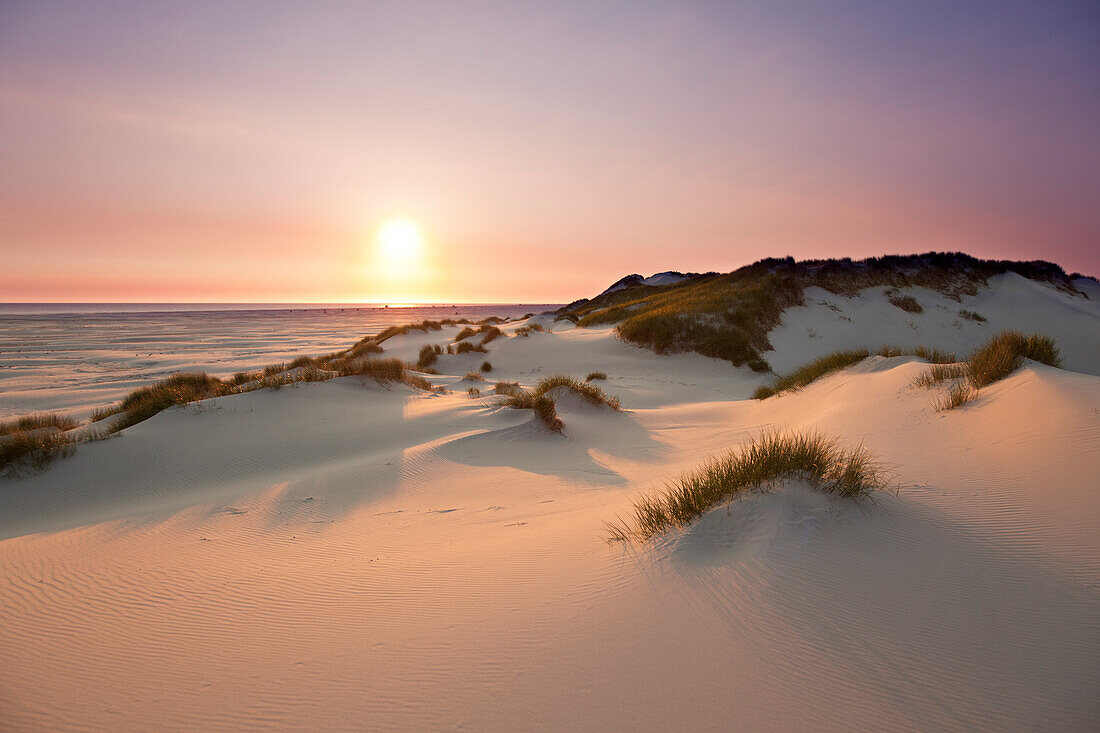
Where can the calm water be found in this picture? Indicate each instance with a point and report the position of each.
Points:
(73, 357)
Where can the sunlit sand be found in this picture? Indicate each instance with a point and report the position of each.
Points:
(354, 555)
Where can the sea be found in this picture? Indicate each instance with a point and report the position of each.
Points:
(72, 357)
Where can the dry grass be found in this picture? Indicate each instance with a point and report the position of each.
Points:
(486, 366)
(427, 356)
(588, 392)
(387, 370)
(539, 400)
(29, 443)
(474, 392)
(838, 360)
(907, 303)
(729, 316)
(804, 375)
(595, 375)
(993, 361)
(178, 389)
(474, 376)
(37, 422)
(530, 329)
(102, 413)
(27, 451)
(543, 405)
(466, 347)
(491, 333)
(756, 466)
(940, 373)
(972, 316)
(957, 395)
(1003, 353)
(465, 334)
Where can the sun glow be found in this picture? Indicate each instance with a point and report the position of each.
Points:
(396, 271)
(400, 242)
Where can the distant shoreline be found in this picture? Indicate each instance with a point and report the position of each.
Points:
(56, 309)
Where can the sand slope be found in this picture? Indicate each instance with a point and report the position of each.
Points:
(342, 556)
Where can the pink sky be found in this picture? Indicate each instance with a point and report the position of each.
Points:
(204, 154)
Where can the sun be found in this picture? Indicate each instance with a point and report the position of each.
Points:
(399, 241)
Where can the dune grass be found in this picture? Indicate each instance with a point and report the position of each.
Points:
(754, 467)
(178, 389)
(465, 347)
(972, 316)
(486, 366)
(183, 388)
(530, 329)
(588, 392)
(543, 405)
(37, 422)
(991, 362)
(29, 443)
(907, 303)
(838, 360)
(474, 392)
(595, 375)
(474, 376)
(539, 399)
(1003, 353)
(728, 316)
(506, 388)
(940, 373)
(27, 451)
(427, 356)
(957, 395)
(491, 333)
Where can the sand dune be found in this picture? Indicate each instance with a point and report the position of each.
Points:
(343, 555)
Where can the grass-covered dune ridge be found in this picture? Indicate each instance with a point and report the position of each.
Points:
(1004, 353)
(991, 362)
(186, 387)
(838, 360)
(728, 316)
(756, 466)
(32, 441)
(994, 360)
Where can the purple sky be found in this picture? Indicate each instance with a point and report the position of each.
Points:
(189, 151)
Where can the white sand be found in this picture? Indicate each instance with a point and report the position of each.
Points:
(344, 556)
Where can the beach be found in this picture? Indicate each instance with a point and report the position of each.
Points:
(71, 358)
(355, 555)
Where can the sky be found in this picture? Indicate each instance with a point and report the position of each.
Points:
(253, 152)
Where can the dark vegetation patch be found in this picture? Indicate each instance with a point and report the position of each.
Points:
(428, 355)
(29, 443)
(728, 316)
(486, 366)
(595, 375)
(37, 422)
(466, 347)
(907, 303)
(755, 467)
(972, 316)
